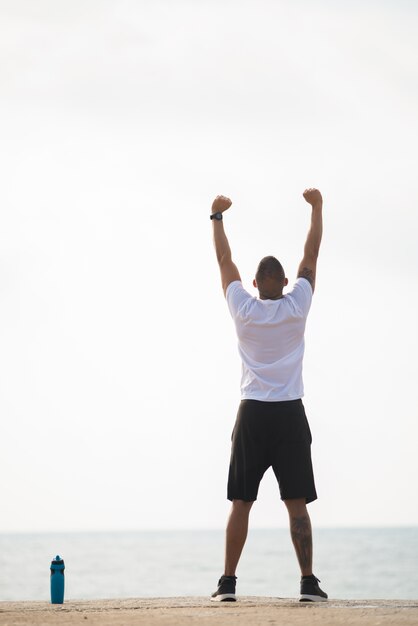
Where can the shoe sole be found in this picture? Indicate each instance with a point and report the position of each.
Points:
(308, 598)
(224, 597)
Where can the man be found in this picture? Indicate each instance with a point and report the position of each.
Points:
(271, 428)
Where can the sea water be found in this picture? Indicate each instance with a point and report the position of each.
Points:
(351, 563)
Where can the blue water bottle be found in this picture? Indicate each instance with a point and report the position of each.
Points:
(57, 581)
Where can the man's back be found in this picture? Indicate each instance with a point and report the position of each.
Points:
(271, 341)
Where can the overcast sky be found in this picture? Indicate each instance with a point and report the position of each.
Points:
(119, 374)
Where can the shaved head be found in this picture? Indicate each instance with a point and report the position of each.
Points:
(270, 278)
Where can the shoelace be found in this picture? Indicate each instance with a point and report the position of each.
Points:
(224, 578)
(313, 578)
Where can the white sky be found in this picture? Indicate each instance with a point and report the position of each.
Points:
(119, 374)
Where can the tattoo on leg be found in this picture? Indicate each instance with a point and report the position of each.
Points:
(300, 529)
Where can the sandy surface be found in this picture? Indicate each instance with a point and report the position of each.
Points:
(248, 611)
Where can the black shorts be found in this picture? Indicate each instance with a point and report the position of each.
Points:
(275, 434)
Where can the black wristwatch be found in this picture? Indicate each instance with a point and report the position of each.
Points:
(216, 216)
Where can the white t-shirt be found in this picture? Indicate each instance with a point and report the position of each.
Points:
(271, 341)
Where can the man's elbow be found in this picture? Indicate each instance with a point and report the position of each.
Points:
(310, 256)
(223, 259)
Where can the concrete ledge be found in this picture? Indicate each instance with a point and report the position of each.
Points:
(192, 611)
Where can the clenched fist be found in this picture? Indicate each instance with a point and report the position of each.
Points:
(313, 196)
(221, 204)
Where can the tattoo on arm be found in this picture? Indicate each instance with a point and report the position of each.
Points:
(307, 273)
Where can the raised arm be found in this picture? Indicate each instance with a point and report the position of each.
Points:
(229, 271)
(307, 267)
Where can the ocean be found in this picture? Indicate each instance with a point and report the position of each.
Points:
(351, 563)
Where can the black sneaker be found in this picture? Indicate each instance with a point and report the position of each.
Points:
(310, 591)
(226, 590)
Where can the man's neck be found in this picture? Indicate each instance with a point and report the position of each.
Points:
(264, 297)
